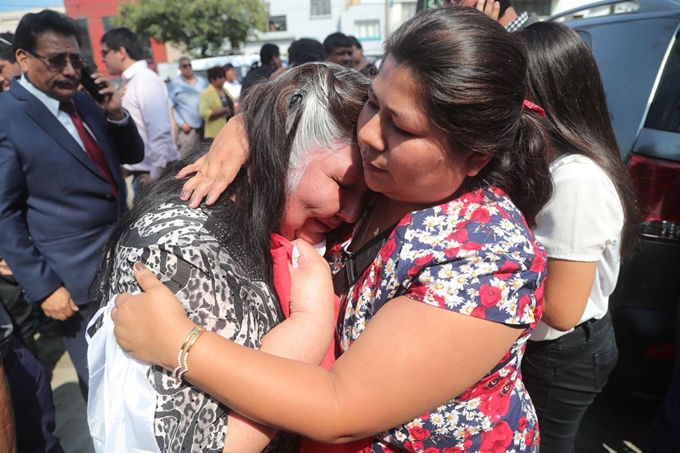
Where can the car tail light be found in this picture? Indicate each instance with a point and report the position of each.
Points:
(657, 184)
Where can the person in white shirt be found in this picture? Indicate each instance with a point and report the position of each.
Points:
(146, 98)
(587, 228)
(232, 85)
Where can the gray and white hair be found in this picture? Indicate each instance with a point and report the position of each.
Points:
(317, 104)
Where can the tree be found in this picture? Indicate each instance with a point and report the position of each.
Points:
(200, 25)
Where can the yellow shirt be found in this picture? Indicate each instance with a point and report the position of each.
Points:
(209, 101)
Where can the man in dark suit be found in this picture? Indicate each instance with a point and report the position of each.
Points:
(61, 187)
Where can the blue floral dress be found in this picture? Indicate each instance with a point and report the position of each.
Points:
(474, 255)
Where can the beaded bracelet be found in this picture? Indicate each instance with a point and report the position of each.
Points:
(183, 353)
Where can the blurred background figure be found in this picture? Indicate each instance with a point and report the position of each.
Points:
(231, 84)
(215, 105)
(146, 99)
(359, 62)
(270, 62)
(184, 91)
(338, 49)
(305, 50)
(8, 63)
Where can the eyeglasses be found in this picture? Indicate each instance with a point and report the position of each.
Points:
(105, 52)
(186, 65)
(59, 62)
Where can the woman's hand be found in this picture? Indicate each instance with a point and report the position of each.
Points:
(217, 169)
(311, 288)
(151, 326)
(489, 7)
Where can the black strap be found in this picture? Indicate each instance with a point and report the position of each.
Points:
(358, 262)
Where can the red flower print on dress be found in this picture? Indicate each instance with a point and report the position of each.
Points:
(489, 296)
(409, 446)
(538, 264)
(432, 450)
(507, 270)
(480, 215)
(388, 249)
(497, 405)
(451, 253)
(522, 423)
(478, 312)
(452, 450)
(418, 433)
(529, 438)
(460, 236)
(473, 197)
(418, 265)
(467, 442)
(524, 302)
(471, 246)
(497, 440)
(418, 445)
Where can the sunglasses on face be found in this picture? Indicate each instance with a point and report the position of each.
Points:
(186, 65)
(59, 62)
(105, 52)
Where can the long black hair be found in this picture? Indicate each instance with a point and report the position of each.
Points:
(565, 80)
(473, 79)
(311, 108)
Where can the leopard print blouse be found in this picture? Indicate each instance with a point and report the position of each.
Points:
(200, 260)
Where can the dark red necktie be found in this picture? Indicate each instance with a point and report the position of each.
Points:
(94, 152)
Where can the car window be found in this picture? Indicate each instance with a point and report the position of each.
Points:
(664, 113)
(585, 36)
(629, 54)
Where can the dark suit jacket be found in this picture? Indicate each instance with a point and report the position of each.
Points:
(56, 208)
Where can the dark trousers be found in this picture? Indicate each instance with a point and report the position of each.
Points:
(20, 311)
(564, 376)
(664, 434)
(76, 345)
(31, 400)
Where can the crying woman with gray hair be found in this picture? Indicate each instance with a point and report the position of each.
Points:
(303, 179)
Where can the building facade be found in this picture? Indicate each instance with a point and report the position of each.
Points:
(95, 17)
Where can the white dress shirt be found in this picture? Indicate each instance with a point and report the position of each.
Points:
(146, 98)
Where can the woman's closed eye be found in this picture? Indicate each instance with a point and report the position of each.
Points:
(399, 130)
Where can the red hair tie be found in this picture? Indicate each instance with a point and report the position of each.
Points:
(533, 107)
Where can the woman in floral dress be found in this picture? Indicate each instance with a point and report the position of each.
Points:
(433, 331)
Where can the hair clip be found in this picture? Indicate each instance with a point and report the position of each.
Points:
(533, 107)
(295, 98)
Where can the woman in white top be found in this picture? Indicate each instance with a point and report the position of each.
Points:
(587, 228)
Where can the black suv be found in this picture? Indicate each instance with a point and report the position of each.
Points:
(637, 47)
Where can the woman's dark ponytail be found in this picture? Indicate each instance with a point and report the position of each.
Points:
(530, 183)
